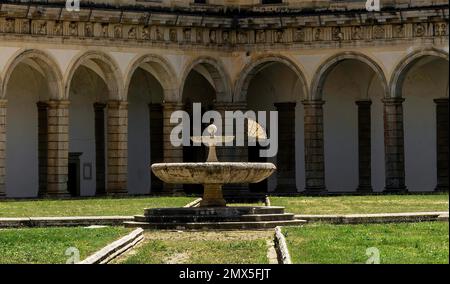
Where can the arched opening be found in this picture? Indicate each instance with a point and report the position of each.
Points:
(26, 120)
(274, 84)
(423, 84)
(92, 84)
(204, 84)
(88, 101)
(353, 89)
(145, 130)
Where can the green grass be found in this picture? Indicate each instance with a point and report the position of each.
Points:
(200, 248)
(49, 245)
(405, 243)
(88, 207)
(363, 204)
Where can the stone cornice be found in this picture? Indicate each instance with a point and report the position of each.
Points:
(142, 28)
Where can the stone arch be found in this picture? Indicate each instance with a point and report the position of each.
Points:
(43, 63)
(158, 67)
(326, 67)
(218, 77)
(258, 64)
(406, 64)
(104, 66)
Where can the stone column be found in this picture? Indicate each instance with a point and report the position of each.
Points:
(3, 109)
(58, 148)
(172, 154)
(394, 145)
(42, 147)
(442, 143)
(100, 151)
(232, 154)
(117, 148)
(364, 146)
(286, 175)
(156, 142)
(314, 147)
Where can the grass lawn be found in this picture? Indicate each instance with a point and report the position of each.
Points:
(88, 207)
(363, 204)
(48, 246)
(405, 243)
(201, 248)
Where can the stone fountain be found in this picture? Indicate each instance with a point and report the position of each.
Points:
(213, 212)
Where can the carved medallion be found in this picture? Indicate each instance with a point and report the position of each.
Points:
(419, 30)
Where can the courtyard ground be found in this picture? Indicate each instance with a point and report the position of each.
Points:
(411, 243)
(246, 247)
(88, 207)
(49, 245)
(363, 204)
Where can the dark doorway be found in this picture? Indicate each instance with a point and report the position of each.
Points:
(73, 182)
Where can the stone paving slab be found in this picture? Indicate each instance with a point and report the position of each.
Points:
(34, 222)
(376, 218)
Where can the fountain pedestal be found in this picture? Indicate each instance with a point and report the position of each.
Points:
(212, 196)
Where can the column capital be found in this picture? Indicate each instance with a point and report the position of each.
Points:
(393, 101)
(441, 101)
(312, 103)
(363, 103)
(117, 104)
(230, 105)
(173, 105)
(285, 105)
(99, 106)
(58, 103)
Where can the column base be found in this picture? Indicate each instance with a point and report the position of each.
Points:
(2, 195)
(286, 188)
(364, 189)
(439, 188)
(316, 191)
(396, 190)
(58, 195)
(117, 194)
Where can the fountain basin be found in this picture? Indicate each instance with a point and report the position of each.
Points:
(213, 173)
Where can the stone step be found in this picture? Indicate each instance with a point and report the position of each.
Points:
(220, 211)
(214, 225)
(213, 218)
(268, 217)
(186, 218)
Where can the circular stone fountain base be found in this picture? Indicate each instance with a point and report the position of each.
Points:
(214, 218)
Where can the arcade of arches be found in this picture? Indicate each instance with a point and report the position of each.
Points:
(349, 133)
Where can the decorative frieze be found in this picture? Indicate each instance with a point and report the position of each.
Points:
(162, 28)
